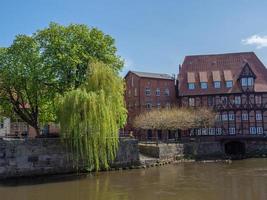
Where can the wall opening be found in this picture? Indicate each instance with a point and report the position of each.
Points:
(235, 148)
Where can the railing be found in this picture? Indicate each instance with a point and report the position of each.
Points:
(157, 141)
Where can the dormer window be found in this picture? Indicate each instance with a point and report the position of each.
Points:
(229, 84)
(191, 86)
(247, 81)
(217, 84)
(203, 85)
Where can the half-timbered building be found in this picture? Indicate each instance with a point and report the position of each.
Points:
(233, 85)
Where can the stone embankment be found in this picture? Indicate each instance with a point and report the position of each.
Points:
(43, 156)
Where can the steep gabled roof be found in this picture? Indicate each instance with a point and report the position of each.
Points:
(229, 65)
(151, 75)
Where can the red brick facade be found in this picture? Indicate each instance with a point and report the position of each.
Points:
(145, 91)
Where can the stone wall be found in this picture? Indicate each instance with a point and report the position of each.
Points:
(256, 148)
(50, 156)
(204, 150)
(162, 151)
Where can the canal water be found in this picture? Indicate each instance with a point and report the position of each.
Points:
(240, 180)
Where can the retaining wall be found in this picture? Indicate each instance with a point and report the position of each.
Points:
(50, 156)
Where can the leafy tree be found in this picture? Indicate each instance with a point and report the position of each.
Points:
(91, 115)
(175, 118)
(35, 69)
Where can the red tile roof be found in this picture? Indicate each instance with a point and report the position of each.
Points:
(230, 64)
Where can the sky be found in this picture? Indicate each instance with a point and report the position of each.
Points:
(150, 35)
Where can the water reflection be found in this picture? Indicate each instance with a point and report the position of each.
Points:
(241, 180)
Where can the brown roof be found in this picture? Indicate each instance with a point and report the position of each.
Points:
(221, 67)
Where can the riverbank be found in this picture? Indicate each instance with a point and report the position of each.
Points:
(49, 156)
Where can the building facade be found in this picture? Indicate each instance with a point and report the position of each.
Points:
(234, 86)
(147, 91)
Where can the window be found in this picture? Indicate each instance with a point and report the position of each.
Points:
(147, 92)
(218, 117)
(253, 130)
(247, 81)
(231, 117)
(148, 105)
(217, 84)
(211, 131)
(229, 84)
(205, 131)
(250, 81)
(259, 130)
(191, 86)
(218, 131)
(258, 99)
(224, 117)
(199, 131)
(129, 92)
(231, 131)
(167, 92)
(191, 101)
(237, 100)
(135, 91)
(258, 116)
(244, 82)
(203, 85)
(210, 101)
(224, 100)
(158, 92)
(244, 116)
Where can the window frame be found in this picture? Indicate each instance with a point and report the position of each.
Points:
(217, 84)
(231, 131)
(167, 92)
(244, 118)
(191, 84)
(237, 102)
(252, 130)
(227, 84)
(258, 117)
(191, 102)
(148, 91)
(202, 84)
(158, 92)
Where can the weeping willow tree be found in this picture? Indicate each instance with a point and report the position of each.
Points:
(91, 116)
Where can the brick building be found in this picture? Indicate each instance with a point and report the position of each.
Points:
(234, 85)
(145, 91)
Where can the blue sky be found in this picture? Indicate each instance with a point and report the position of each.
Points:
(151, 35)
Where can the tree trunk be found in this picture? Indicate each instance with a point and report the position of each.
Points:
(37, 130)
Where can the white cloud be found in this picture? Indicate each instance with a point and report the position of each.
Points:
(259, 41)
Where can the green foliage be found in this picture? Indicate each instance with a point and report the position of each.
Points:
(91, 115)
(24, 81)
(35, 69)
(69, 49)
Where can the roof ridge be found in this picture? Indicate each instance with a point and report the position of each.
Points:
(222, 54)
